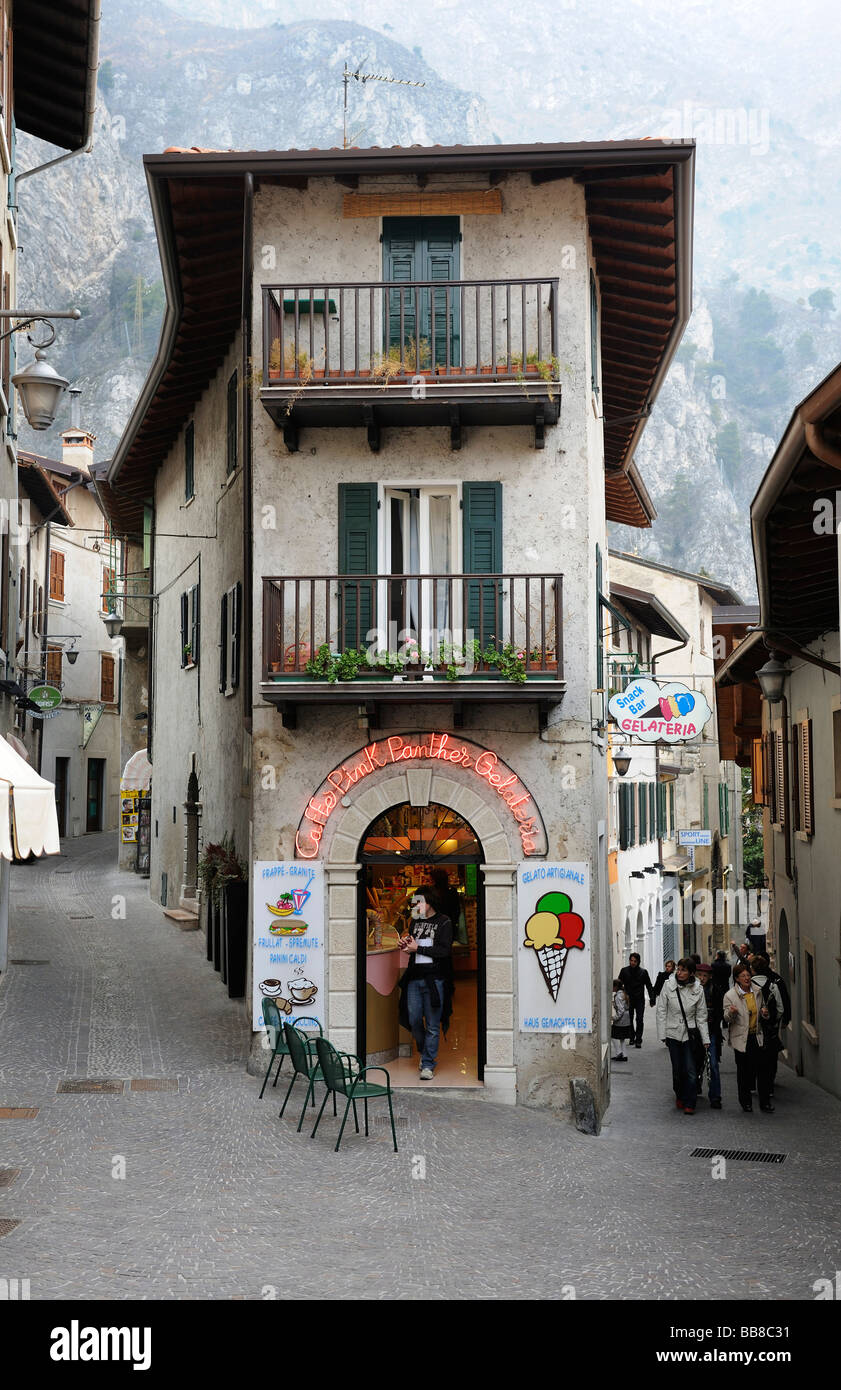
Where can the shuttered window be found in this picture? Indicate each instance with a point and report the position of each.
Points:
(54, 666)
(230, 621)
(803, 795)
(642, 793)
(778, 757)
(757, 773)
(189, 462)
(671, 810)
(594, 335)
(106, 684)
(232, 434)
(357, 555)
(422, 248)
(108, 590)
(662, 820)
(190, 626)
(57, 575)
(482, 528)
(625, 821)
(652, 811)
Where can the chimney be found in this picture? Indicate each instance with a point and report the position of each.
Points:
(77, 443)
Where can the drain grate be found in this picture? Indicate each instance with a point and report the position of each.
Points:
(154, 1083)
(71, 1088)
(8, 1175)
(18, 1112)
(80, 916)
(382, 1122)
(29, 962)
(745, 1155)
(7, 1225)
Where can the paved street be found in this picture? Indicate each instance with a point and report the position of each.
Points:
(223, 1200)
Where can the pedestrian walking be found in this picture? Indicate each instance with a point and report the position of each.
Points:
(620, 1029)
(427, 986)
(721, 972)
(682, 1012)
(743, 1016)
(755, 936)
(773, 1000)
(714, 1000)
(662, 976)
(635, 982)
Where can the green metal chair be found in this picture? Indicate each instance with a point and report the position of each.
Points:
(341, 1081)
(274, 1025)
(298, 1048)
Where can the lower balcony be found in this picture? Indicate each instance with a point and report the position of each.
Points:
(371, 640)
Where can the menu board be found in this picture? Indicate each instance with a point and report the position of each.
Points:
(129, 804)
(288, 960)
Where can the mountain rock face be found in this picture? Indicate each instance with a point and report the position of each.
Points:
(753, 88)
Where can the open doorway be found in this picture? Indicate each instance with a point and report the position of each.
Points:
(406, 848)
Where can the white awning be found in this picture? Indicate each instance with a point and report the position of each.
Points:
(137, 773)
(27, 803)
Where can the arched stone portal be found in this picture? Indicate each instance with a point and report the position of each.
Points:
(478, 803)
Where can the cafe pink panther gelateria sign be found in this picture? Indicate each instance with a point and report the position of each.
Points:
(401, 749)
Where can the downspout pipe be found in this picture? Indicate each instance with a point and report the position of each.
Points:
(247, 521)
(90, 101)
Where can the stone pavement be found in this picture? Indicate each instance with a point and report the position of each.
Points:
(222, 1200)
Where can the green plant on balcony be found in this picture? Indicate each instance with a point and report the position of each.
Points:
(414, 357)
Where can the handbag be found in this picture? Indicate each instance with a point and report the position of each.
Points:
(700, 1053)
(694, 1034)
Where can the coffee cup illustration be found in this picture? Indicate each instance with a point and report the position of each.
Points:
(302, 990)
(271, 987)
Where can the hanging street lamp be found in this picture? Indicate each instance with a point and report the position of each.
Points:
(39, 385)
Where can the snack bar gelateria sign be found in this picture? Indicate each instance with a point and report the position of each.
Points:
(655, 713)
(444, 750)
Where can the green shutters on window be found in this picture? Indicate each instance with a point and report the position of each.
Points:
(624, 817)
(672, 832)
(232, 433)
(189, 462)
(643, 800)
(357, 555)
(706, 821)
(652, 811)
(661, 811)
(482, 528)
(422, 248)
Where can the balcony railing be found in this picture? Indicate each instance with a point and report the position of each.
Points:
(502, 626)
(381, 333)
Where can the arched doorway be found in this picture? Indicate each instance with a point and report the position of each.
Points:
(407, 847)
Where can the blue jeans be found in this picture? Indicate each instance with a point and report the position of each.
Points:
(425, 1002)
(684, 1075)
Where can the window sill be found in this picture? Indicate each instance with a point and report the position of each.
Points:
(811, 1033)
(836, 803)
(804, 838)
(189, 501)
(229, 479)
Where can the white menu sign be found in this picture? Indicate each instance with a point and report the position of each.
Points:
(288, 959)
(555, 993)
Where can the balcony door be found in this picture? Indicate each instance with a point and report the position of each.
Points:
(422, 248)
(422, 538)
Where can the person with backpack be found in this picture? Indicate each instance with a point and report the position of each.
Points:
(635, 982)
(621, 1026)
(771, 1027)
(745, 1014)
(682, 1022)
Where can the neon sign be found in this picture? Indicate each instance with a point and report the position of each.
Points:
(434, 747)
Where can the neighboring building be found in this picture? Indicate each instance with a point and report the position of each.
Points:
(793, 744)
(704, 792)
(333, 448)
(79, 749)
(48, 65)
(642, 800)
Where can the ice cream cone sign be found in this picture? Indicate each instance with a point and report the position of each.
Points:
(553, 930)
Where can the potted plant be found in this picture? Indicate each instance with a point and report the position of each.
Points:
(188, 654)
(224, 877)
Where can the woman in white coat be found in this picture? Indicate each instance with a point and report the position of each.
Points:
(744, 1012)
(681, 1006)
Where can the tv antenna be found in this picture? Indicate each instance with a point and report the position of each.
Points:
(364, 77)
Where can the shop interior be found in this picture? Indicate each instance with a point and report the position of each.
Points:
(407, 848)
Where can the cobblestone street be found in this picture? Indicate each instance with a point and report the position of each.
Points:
(221, 1198)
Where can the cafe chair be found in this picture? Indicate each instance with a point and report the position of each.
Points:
(340, 1080)
(298, 1049)
(274, 1029)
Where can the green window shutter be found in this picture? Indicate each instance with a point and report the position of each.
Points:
(482, 524)
(652, 811)
(632, 836)
(594, 335)
(189, 462)
(357, 555)
(672, 831)
(195, 630)
(706, 820)
(661, 810)
(235, 620)
(185, 624)
(624, 827)
(232, 436)
(422, 248)
(643, 800)
(223, 646)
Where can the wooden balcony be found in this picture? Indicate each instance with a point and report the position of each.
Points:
(424, 352)
(370, 640)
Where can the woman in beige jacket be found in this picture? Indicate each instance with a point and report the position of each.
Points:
(743, 1014)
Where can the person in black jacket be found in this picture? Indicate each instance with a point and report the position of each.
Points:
(426, 988)
(635, 982)
(665, 974)
(714, 998)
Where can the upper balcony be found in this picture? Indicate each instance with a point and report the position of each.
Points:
(421, 352)
(452, 639)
